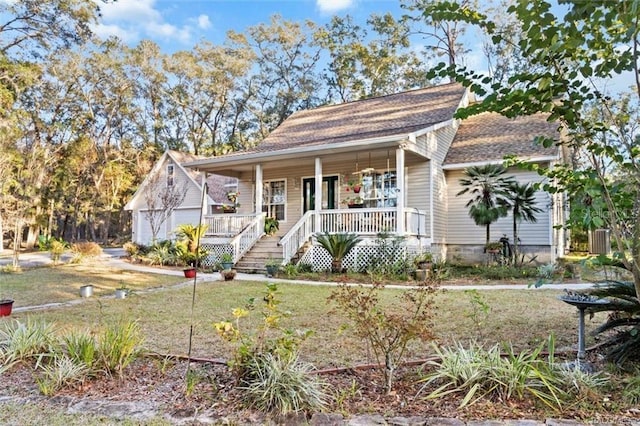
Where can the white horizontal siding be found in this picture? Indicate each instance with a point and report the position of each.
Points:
(461, 229)
(443, 137)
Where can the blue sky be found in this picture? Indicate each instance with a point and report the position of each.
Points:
(179, 24)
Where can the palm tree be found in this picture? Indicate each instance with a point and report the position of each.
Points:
(488, 187)
(522, 198)
(338, 246)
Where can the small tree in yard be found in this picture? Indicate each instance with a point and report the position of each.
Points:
(488, 188)
(522, 200)
(161, 200)
(388, 328)
(567, 58)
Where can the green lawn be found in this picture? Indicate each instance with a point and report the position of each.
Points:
(62, 283)
(522, 317)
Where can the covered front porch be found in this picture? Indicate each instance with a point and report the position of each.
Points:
(239, 232)
(379, 191)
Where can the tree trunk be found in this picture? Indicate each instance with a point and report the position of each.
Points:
(32, 236)
(1, 235)
(17, 241)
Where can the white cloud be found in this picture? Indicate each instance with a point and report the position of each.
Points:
(204, 22)
(130, 11)
(332, 6)
(105, 31)
(132, 20)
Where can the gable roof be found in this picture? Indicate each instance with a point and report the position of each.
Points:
(489, 137)
(396, 114)
(217, 186)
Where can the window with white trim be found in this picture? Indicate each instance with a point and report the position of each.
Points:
(274, 198)
(380, 189)
(170, 174)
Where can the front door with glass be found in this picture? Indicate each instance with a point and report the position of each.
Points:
(329, 193)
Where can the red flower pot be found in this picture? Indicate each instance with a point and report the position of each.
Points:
(5, 307)
(190, 273)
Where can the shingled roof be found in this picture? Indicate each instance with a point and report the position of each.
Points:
(389, 115)
(490, 137)
(217, 186)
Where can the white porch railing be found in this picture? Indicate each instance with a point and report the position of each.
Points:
(359, 221)
(242, 242)
(368, 222)
(226, 225)
(297, 236)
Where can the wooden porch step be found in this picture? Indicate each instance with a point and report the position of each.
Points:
(254, 261)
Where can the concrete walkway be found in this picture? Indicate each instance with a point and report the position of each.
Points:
(114, 258)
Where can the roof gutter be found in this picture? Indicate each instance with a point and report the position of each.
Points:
(458, 166)
(283, 154)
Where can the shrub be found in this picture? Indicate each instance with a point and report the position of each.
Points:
(476, 372)
(265, 362)
(131, 248)
(57, 249)
(85, 249)
(163, 253)
(338, 246)
(23, 341)
(624, 319)
(388, 329)
(81, 347)
(61, 372)
(118, 346)
(283, 384)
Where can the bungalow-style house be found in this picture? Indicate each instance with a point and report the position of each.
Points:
(390, 164)
(169, 178)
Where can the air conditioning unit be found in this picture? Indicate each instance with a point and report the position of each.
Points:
(600, 241)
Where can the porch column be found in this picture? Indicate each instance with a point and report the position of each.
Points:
(204, 199)
(318, 194)
(258, 200)
(400, 229)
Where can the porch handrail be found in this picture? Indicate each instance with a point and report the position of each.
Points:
(416, 222)
(241, 243)
(297, 236)
(226, 224)
(369, 221)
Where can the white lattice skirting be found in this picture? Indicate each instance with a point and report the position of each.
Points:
(358, 259)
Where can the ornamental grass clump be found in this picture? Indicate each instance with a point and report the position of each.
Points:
(266, 363)
(475, 373)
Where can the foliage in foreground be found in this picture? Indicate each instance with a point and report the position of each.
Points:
(388, 329)
(476, 373)
(282, 384)
(68, 359)
(623, 320)
(266, 362)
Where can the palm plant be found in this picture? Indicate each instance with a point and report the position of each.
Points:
(488, 188)
(522, 198)
(191, 235)
(338, 246)
(624, 317)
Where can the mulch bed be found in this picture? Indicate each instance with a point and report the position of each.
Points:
(354, 391)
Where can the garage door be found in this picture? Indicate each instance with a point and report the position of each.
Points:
(186, 216)
(145, 235)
